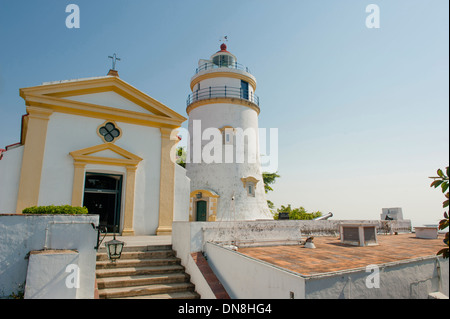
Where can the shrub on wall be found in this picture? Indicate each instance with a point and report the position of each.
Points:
(52, 209)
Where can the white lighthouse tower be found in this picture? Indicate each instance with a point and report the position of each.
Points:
(223, 160)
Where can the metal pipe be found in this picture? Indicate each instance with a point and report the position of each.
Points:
(324, 217)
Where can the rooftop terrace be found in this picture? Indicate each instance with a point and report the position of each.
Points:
(330, 255)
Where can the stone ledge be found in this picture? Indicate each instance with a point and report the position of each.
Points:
(213, 282)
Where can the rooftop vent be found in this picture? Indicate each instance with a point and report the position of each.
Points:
(358, 234)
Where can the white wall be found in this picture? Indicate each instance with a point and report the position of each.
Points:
(247, 278)
(10, 166)
(20, 234)
(409, 279)
(181, 196)
(52, 274)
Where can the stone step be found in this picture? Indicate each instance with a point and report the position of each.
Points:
(139, 254)
(126, 263)
(130, 271)
(102, 249)
(170, 295)
(158, 289)
(141, 280)
(143, 272)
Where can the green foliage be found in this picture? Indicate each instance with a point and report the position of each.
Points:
(20, 293)
(181, 156)
(442, 181)
(269, 178)
(297, 213)
(52, 209)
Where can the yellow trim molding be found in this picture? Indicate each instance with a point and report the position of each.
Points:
(227, 128)
(249, 179)
(211, 198)
(51, 97)
(33, 157)
(130, 161)
(166, 183)
(115, 126)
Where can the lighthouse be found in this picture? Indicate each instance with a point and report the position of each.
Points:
(223, 161)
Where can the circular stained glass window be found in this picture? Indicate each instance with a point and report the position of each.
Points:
(109, 132)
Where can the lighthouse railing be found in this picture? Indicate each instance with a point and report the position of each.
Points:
(232, 65)
(222, 91)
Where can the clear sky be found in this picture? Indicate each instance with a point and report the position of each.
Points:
(362, 114)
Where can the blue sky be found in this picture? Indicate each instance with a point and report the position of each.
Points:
(362, 114)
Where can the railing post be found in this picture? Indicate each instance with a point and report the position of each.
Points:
(209, 92)
(225, 91)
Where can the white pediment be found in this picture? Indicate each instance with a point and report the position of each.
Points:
(107, 154)
(110, 99)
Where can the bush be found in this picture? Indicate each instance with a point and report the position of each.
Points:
(52, 209)
(296, 213)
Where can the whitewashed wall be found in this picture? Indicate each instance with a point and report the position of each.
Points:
(409, 279)
(247, 278)
(10, 166)
(20, 234)
(181, 196)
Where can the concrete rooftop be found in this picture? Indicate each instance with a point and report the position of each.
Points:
(331, 256)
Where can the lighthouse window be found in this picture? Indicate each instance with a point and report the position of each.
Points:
(223, 60)
(244, 90)
(227, 132)
(249, 184)
(250, 189)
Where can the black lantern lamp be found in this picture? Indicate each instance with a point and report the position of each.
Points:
(199, 195)
(114, 248)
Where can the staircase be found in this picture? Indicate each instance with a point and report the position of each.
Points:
(148, 272)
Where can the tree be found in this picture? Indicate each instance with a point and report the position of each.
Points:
(269, 178)
(297, 213)
(442, 181)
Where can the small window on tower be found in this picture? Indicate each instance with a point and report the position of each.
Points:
(249, 185)
(251, 189)
(227, 133)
